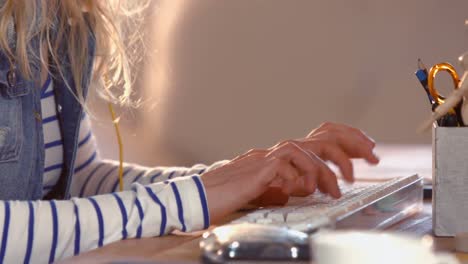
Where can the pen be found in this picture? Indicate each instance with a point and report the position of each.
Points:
(421, 74)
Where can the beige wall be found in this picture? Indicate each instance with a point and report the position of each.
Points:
(229, 75)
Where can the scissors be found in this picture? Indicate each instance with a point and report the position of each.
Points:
(453, 117)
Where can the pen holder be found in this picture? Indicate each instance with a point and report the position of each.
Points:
(449, 180)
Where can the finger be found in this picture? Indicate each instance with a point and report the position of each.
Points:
(354, 134)
(292, 153)
(300, 189)
(321, 187)
(353, 146)
(358, 133)
(327, 182)
(277, 182)
(306, 163)
(288, 174)
(279, 173)
(310, 183)
(366, 140)
(329, 126)
(278, 170)
(286, 171)
(336, 155)
(357, 148)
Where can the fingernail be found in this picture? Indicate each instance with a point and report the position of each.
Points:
(373, 158)
(349, 179)
(337, 194)
(377, 158)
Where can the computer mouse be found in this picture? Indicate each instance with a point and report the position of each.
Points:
(242, 243)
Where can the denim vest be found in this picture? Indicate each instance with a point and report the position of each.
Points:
(21, 133)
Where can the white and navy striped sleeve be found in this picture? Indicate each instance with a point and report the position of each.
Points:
(47, 231)
(94, 175)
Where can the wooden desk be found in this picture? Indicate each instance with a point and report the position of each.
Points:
(403, 159)
(177, 249)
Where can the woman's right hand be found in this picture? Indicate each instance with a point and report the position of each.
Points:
(289, 166)
(235, 184)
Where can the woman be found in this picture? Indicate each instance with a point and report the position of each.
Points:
(51, 50)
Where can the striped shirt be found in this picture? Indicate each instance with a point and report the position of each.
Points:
(155, 201)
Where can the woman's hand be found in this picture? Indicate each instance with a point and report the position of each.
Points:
(292, 167)
(339, 144)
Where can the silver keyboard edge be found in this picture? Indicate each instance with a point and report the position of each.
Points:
(409, 202)
(377, 200)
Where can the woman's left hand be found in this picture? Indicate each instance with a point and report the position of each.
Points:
(333, 142)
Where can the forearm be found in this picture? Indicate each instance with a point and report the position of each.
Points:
(45, 231)
(102, 176)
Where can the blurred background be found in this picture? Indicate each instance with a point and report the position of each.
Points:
(220, 77)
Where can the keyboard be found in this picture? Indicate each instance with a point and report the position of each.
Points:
(366, 205)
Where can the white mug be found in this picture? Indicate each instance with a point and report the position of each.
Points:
(368, 247)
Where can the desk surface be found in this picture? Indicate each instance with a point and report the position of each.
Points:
(184, 249)
(178, 249)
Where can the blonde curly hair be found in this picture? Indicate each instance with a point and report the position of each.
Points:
(68, 23)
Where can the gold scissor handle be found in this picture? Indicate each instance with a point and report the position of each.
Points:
(444, 66)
